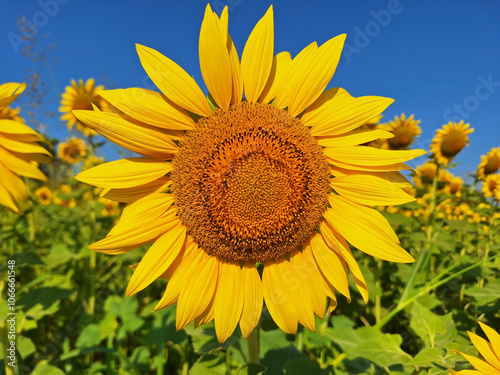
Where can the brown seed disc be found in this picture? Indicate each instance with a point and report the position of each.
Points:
(250, 183)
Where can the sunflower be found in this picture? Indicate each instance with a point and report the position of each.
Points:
(405, 130)
(490, 163)
(20, 151)
(72, 151)
(43, 195)
(64, 197)
(424, 174)
(491, 186)
(254, 200)
(454, 186)
(449, 141)
(80, 96)
(490, 350)
(110, 207)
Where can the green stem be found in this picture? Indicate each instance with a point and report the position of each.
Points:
(253, 342)
(422, 256)
(429, 287)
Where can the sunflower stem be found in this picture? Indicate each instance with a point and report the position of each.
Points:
(422, 256)
(253, 342)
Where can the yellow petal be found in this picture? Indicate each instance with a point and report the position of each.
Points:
(279, 69)
(284, 90)
(173, 81)
(157, 259)
(307, 81)
(331, 265)
(215, 64)
(480, 365)
(252, 306)
(370, 190)
(486, 350)
(180, 272)
(143, 139)
(229, 299)
(279, 300)
(7, 200)
(21, 146)
(311, 277)
(354, 137)
(257, 58)
(369, 156)
(147, 209)
(336, 112)
(149, 107)
(338, 244)
(125, 173)
(127, 195)
(366, 229)
(15, 187)
(393, 177)
(121, 242)
(10, 127)
(9, 92)
(493, 336)
(20, 166)
(26, 156)
(198, 291)
(207, 315)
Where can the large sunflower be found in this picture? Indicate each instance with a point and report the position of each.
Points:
(405, 131)
(491, 186)
(20, 151)
(490, 350)
(449, 141)
(80, 96)
(490, 163)
(256, 199)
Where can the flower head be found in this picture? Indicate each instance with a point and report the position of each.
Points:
(405, 131)
(490, 163)
(72, 151)
(238, 199)
(491, 186)
(43, 195)
(490, 350)
(80, 96)
(449, 141)
(20, 150)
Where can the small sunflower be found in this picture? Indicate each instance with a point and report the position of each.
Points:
(110, 208)
(454, 186)
(424, 174)
(20, 150)
(80, 96)
(43, 195)
(491, 186)
(238, 199)
(490, 351)
(405, 131)
(64, 197)
(490, 163)
(72, 151)
(449, 141)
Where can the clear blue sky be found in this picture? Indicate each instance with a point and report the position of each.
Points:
(439, 60)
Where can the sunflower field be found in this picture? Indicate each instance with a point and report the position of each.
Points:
(270, 227)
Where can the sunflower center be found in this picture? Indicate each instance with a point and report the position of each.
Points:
(85, 102)
(403, 137)
(452, 144)
(492, 165)
(250, 183)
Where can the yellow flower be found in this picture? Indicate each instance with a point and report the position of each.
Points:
(424, 174)
(490, 163)
(491, 186)
(92, 161)
(63, 197)
(490, 351)
(250, 181)
(110, 207)
(449, 141)
(405, 130)
(454, 186)
(72, 151)
(43, 195)
(80, 96)
(20, 150)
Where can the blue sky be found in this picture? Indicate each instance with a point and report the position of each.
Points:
(439, 60)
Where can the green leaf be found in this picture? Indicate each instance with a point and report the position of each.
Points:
(59, 254)
(274, 359)
(485, 294)
(90, 336)
(426, 324)
(25, 346)
(253, 369)
(124, 307)
(209, 364)
(43, 368)
(427, 357)
(301, 366)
